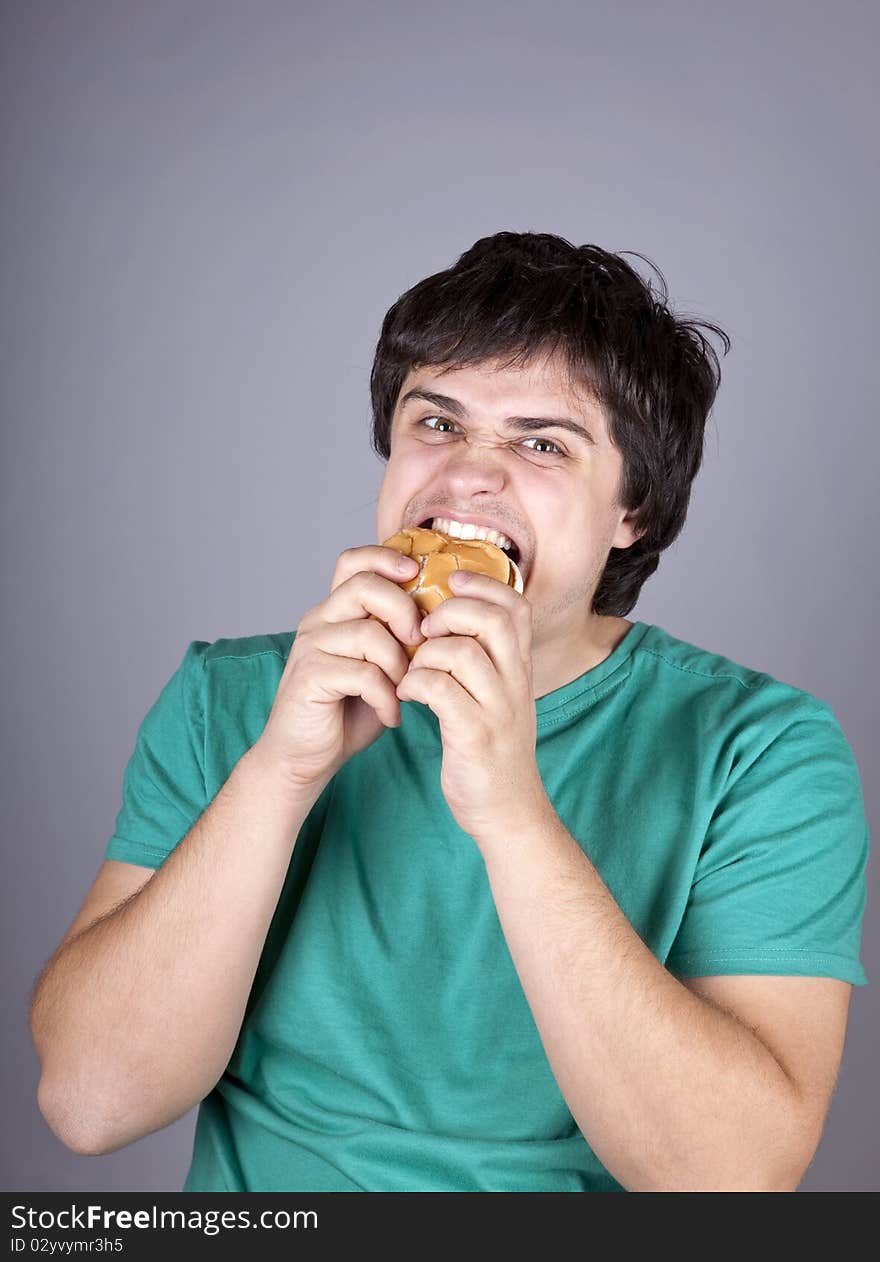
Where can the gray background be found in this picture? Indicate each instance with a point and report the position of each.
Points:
(207, 210)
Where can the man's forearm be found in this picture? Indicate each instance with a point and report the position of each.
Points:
(670, 1092)
(136, 1017)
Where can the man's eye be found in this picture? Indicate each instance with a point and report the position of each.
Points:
(548, 441)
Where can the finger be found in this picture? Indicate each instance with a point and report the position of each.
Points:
(366, 594)
(341, 677)
(482, 587)
(465, 659)
(373, 558)
(368, 641)
(491, 625)
(452, 704)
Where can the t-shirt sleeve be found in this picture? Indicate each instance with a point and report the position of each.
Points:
(163, 788)
(779, 886)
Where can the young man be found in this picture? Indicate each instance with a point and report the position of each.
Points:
(565, 904)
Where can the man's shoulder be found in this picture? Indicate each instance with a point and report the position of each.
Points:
(231, 683)
(735, 714)
(239, 649)
(721, 680)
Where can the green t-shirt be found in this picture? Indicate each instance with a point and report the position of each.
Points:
(387, 1044)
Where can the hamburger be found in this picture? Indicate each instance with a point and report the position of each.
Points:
(439, 555)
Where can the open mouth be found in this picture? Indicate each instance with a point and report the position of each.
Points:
(511, 550)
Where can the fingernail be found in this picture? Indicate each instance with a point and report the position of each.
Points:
(407, 565)
(460, 578)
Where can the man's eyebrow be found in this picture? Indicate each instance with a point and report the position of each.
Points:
(524, 424)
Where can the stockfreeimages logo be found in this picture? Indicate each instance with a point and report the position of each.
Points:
(211, 1222)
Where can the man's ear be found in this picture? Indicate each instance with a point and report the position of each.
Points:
(627, 532)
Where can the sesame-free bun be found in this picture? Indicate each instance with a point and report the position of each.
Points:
(439, 555)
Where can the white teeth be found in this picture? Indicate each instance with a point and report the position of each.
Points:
(464, 530)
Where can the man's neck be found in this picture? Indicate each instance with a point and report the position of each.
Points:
(556, 664)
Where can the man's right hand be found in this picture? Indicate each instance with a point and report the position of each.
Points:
(338, 690)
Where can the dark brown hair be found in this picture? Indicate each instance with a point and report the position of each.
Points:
(517, 295)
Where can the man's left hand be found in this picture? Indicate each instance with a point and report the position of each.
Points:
(475, 672)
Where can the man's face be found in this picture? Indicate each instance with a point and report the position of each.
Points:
(551, 490)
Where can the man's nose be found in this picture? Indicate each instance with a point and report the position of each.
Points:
(477, 462)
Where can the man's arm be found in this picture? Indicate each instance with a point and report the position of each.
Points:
(671, 1089)
(135, 1018)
